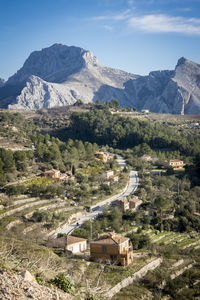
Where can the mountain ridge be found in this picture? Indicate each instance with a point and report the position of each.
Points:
(60, 75)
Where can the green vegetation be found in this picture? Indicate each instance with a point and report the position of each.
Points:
(167, 223)
(63, 283)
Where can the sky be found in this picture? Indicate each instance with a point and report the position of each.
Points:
(137, 36)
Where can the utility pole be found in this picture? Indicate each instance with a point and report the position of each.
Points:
(91, 230)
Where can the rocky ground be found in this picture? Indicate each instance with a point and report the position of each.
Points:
(24, 286)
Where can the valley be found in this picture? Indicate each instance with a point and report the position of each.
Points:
(94, 150)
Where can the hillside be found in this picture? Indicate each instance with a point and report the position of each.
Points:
(164, 230)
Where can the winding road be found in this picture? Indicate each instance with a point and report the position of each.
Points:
(98, 208)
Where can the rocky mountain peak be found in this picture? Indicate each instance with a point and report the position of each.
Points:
(60, 75)
(186, 64)
(2, 81)
(181, 61)
(54, 64)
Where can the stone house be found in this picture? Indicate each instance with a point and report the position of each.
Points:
(69, 243)
(113, 248)
(55, 174)
(134, 203)
(107, 174)
(124, 204)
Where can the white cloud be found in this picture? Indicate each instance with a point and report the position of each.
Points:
(162, 23)
(117, 17)
(107, 27)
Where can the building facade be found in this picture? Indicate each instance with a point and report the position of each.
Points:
(113, 248)
(176, 164)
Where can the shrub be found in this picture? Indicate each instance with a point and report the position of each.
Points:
(63, 283)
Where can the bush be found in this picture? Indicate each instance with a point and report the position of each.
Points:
(63, 283)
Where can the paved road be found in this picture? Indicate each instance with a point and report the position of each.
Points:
(98, 208)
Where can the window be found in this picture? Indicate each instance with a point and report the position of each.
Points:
(104, 249)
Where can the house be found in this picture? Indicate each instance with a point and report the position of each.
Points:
(176, 164)
(146, 157)
(134, 203)
(145, 111)
(102, 156)
(75, 244)
(107, 174)
(124, 204)
(113, 248)
(55, 174)
(69, 243)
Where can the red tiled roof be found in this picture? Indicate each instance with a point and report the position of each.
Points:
(110, 240)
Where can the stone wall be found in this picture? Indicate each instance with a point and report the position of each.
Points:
(136, 276)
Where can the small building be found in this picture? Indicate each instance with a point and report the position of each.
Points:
(145, 111)
(176, 164)
(69, 243)
(146, 157)
(54, 174)
(107, 174)
(102, 156)
(114, 248)
(75, 244)
(134, 203)
(124, 204)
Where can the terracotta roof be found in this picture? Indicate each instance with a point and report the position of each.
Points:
(73, 240)
(110, 240)
(65, 240)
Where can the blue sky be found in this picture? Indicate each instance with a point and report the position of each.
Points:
(137, 36)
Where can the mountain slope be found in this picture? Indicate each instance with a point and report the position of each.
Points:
(60, 75)
(2, 81)
(176, 92)
(64, 75)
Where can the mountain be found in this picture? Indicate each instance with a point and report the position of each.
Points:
(176, 92)
(57, 76)
(2, 81)
(60, 75)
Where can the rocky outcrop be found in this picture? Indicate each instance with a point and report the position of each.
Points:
(2, 81)
(24, 286)
(60, 75)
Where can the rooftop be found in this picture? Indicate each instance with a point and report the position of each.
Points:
(110, 239)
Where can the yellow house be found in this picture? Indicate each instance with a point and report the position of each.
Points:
(113, 248)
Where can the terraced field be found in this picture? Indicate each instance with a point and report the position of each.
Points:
(181, 240)
(18, 215)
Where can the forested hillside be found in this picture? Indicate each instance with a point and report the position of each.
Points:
(33, 207)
